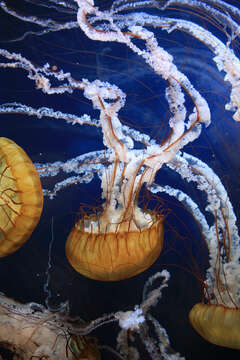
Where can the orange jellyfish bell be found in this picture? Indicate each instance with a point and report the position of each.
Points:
(217, 324)
(21, 197)
(116, 252)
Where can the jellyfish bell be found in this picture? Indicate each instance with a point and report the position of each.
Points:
(217, 324)
(217, 319)
(21, 197)
(112, 251)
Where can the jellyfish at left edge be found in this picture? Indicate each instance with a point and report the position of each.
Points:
(21, 197)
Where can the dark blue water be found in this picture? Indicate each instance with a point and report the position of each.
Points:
(23, 274)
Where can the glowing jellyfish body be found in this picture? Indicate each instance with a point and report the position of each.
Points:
(217, 324)
(21, 198)
(112, 256)
(219, 321)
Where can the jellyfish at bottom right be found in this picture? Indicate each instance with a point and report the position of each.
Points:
(218, 320)
(217, 317)
(217, 324)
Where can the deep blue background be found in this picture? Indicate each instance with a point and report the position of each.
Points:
(23, 274)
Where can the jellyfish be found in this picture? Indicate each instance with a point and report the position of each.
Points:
(57, 336)
(32, 331)
(120, 239)
(21, 197)
(216, 318)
